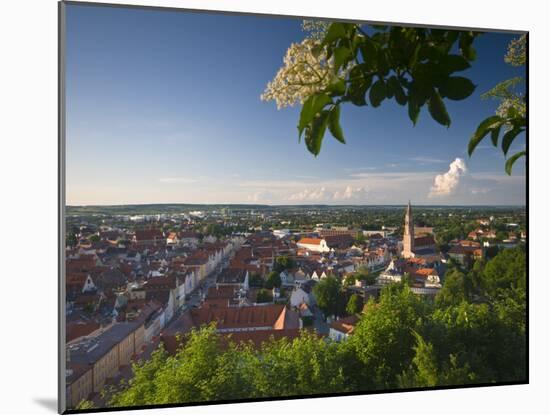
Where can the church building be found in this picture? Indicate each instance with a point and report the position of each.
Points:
(420, 246)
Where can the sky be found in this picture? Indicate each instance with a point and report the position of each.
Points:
(164, 107)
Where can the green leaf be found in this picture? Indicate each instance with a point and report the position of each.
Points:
(316, 50)
(482, 130)
(369, 51)
(334, 124)
(465, 45)
(342, 55)
(383, 63)
(454, 63)
(397, 90)
(337, 87)
(315, 132)
(335, 31)
(414, 110)
(495, 132)
(414, 57)
(510, 162)
(312, 106)
(509, 138)
(457, 88)
(400, 96)
(358, 89)
(377, 93)
(437, 110)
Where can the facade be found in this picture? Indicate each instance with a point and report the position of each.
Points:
(341, 329)
(237, 277)
(92, 360)
(313, 244)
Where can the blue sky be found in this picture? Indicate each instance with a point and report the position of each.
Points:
(164, 107)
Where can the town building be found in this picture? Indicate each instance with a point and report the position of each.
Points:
(413, 245)
(313, 244)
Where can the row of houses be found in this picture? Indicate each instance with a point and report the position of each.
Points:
(119, 299)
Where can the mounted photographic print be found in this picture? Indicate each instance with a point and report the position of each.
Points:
(259, 207)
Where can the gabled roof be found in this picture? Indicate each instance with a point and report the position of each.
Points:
(232, 276)
(148, 234)
(345, 325)
(424, 241)
(310, 241)
(273, 316)
(80, 328)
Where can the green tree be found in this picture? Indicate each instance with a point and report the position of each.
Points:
(455, 289)
(273, 280)
(363, 274)
(349, 280)
(256, 280)
(283, 263)
(480, 339)
(426, 371)
(506, 271)
(281, 370)
(264, 296)
(355, 304)
(71, 240)
(328, 295)
(85, 404)
(383, 339)
(94, 238)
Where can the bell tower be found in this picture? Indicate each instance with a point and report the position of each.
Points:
(408, 233)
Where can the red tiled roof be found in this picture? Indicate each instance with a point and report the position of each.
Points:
(148, 234)
(462, 250)
(79, 329)
(310, 241)
(226, 318)
(345, 325)
(223, 291)
(424, 241)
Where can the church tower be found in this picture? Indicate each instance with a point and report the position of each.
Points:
(408, 233)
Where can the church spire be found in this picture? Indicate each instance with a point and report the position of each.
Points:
(408, 233)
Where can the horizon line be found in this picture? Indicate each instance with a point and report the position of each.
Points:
(282, 204)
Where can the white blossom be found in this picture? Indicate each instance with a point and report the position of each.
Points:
(303, 74)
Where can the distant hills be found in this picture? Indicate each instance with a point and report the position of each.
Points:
(171, 208)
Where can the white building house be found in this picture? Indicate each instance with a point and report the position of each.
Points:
(318, 276)
(389, 275)
(281, 233)
(341, 329)
(313, 244)
(300, 296)
(89, 285)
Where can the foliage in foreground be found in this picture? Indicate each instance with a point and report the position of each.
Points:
(401, 341)
(345, 63)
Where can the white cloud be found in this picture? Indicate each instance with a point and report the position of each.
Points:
(261, 196)
(349, 193)
(177, 180)
(445, 184)
(427, 160)
(480, 190)
(310, 195)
